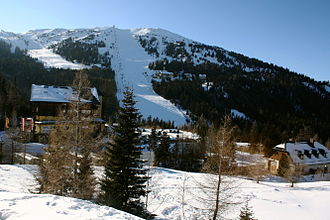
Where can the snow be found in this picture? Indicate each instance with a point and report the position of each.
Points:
(28, 157)
(63, 94)
(207, 86)
(173, 134)
(270, 200)
(294, 149)
(174, 195)
(50, 59)
(17, 202)
(130, 64)
(20, 41)
(245, 158)
(238, 114)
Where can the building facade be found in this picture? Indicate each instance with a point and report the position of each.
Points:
(310, 156)
(50, 103)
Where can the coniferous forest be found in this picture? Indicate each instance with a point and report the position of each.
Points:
(276, 105)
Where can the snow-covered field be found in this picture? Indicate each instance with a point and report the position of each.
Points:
(18, 202)
(174, 195)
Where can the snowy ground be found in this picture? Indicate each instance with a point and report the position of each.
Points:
(17, 201)
(174, 195)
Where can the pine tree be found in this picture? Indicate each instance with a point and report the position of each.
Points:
(125, 178)
(162, 152)
(153, 140)
(246, 213)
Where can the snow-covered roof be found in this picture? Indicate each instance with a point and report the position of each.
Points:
(307, 153)
(61, 94)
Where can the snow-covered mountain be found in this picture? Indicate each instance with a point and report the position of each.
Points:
(130, 52)
(128, 58)
(138, 55)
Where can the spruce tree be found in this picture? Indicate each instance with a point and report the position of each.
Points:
(153, 140)
(162, 152)
(246, 213)
(125, 179)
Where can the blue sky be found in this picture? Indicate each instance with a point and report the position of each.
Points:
(291, 33)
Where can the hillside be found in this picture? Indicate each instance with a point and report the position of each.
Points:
(178, 79)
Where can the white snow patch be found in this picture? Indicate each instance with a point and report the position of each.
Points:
(238, 114)
(50, 59)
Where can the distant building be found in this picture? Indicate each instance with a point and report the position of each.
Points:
(312, 157)
(49, 101)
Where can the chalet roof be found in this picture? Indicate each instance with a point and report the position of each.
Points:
(307, 153)
(62, 94)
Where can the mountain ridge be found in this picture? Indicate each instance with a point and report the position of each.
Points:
(177, 68)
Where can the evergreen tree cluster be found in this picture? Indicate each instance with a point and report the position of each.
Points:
(78, 51)
(150, 45)
(156, 122)
(181, 154)
(10, 100)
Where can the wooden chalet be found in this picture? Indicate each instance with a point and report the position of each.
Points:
(50, 102)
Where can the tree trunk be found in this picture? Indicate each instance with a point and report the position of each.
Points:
(217, 198)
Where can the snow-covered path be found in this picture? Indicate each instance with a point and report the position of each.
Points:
(132, 70)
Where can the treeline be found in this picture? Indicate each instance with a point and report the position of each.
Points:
(156, 123)
(277, 102)
(81, 52)
(19, 71)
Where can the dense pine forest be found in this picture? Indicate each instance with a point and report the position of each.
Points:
(277, 105)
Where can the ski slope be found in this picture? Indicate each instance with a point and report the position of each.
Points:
(132, 71)
(174, 195)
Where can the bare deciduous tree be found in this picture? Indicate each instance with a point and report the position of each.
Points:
(218, 187)
(70, 146)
